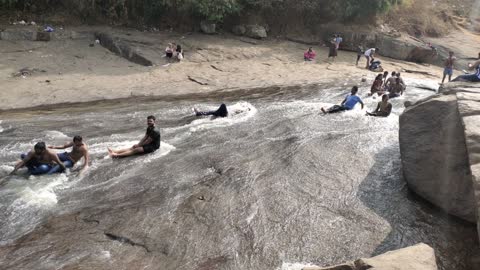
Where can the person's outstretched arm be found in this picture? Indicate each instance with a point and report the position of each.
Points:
(86, 161)
(23, 162)
(67, 145)
(343, 102)
(57, 160)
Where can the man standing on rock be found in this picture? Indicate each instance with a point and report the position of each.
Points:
(449, 62)
(148, 144)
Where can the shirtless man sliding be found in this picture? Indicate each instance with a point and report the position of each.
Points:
(39, 161)
(79, 150)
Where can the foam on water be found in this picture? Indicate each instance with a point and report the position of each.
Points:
(55, 134)
(1, 128)
(295, 266)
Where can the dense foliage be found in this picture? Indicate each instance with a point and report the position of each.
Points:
(213, 10)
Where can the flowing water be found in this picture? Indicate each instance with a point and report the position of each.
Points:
(276, 185)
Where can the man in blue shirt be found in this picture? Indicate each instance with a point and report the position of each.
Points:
(347, 104)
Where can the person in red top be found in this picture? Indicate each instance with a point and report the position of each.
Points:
(309, 55)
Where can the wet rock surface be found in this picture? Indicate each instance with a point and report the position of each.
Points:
(275, 182)
(418, 257)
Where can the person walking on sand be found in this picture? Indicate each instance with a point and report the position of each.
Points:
(384, 108)
(360, 52)
(448, 70)
(148, 144)
(79, 150)
(347, 104)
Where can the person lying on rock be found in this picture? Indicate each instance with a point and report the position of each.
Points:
(384, 108)
(474, 77)
(309, 55)
(79, 151)
(347, 104)
(221, 112)
(396, 90)
(39, 161)
(148, 144)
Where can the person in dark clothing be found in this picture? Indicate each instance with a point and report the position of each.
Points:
(221, 112)
(148, 144)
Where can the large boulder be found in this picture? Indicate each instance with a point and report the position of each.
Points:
(239, 30)
(255, 31)
(418, 257)
(15, 34)
(208, 27)
(121, 48)
(435, 157)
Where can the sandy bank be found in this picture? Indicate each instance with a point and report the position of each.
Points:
(70, 71)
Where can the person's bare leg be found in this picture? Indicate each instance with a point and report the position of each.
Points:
(116, 152)
(368, 62)
(444, 76)
(449, 78)
(129, 152)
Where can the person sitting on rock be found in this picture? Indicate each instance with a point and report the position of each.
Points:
(385, 76)
(179, 53)
(390, 81)
(475, 77)
(347, 104)
(221, 112)
(169, 50)
(309, 55)
(401, 81)
(377, 85)
(396, 90)
(148, 144)
(384, 108)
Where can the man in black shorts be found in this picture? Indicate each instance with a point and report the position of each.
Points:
(150, 142)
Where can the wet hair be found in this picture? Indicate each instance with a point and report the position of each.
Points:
(354, 90)
(151, 117)
(179, 48)
(77, 138)
(385, 97)
(40, 146)
(385, 73)
(379, 76)
(393, 73)
(377, 49)
(398, 74)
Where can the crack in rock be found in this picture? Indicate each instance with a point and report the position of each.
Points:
(125, 240)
